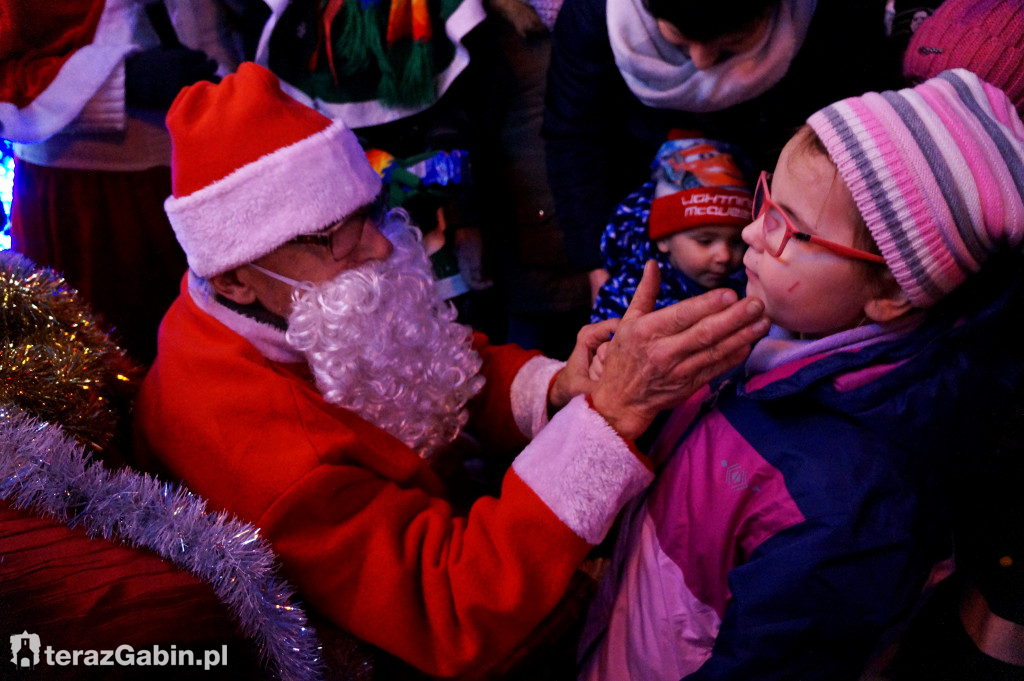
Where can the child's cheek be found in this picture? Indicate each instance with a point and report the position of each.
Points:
(786, 282)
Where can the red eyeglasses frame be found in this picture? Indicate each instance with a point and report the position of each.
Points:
(763, 199)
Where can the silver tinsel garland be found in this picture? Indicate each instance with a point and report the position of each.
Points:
(47, 472)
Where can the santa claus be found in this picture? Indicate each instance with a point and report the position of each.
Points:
(308, 367)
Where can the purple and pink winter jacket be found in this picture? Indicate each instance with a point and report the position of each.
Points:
(799, 507)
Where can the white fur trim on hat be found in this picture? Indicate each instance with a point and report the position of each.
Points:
(298, 189)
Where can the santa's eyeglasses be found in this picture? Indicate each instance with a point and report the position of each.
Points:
(342, 237)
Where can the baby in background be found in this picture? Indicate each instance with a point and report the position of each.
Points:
(688, 218)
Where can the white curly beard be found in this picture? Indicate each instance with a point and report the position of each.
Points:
(383, 344)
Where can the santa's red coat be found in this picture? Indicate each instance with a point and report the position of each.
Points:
(359, 520)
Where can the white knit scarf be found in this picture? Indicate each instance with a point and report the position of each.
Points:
(662, 76)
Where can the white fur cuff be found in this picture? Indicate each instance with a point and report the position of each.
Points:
(583, 470)
(529, 394)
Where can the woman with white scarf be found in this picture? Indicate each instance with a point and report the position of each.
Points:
(623, 72)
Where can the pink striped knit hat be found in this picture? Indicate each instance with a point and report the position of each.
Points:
(937, 172)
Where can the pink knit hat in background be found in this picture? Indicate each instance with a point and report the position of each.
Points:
(983, 36)
(937, 172)
(251, 168)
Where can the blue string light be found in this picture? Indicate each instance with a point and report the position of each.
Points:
(6, 182)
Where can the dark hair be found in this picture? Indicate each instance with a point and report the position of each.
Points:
(706, 20)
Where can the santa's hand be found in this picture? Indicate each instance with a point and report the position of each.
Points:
(659, 358)
(574, 379)
(597, 364)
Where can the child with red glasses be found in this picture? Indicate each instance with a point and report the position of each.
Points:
(801, 506)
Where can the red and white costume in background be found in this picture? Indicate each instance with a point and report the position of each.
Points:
(358, 519)
(92, 174)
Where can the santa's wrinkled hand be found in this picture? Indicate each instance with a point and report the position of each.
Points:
(659, 358)
(597, 364)
(575, 378)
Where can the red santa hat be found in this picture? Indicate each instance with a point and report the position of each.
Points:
(252, 168)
